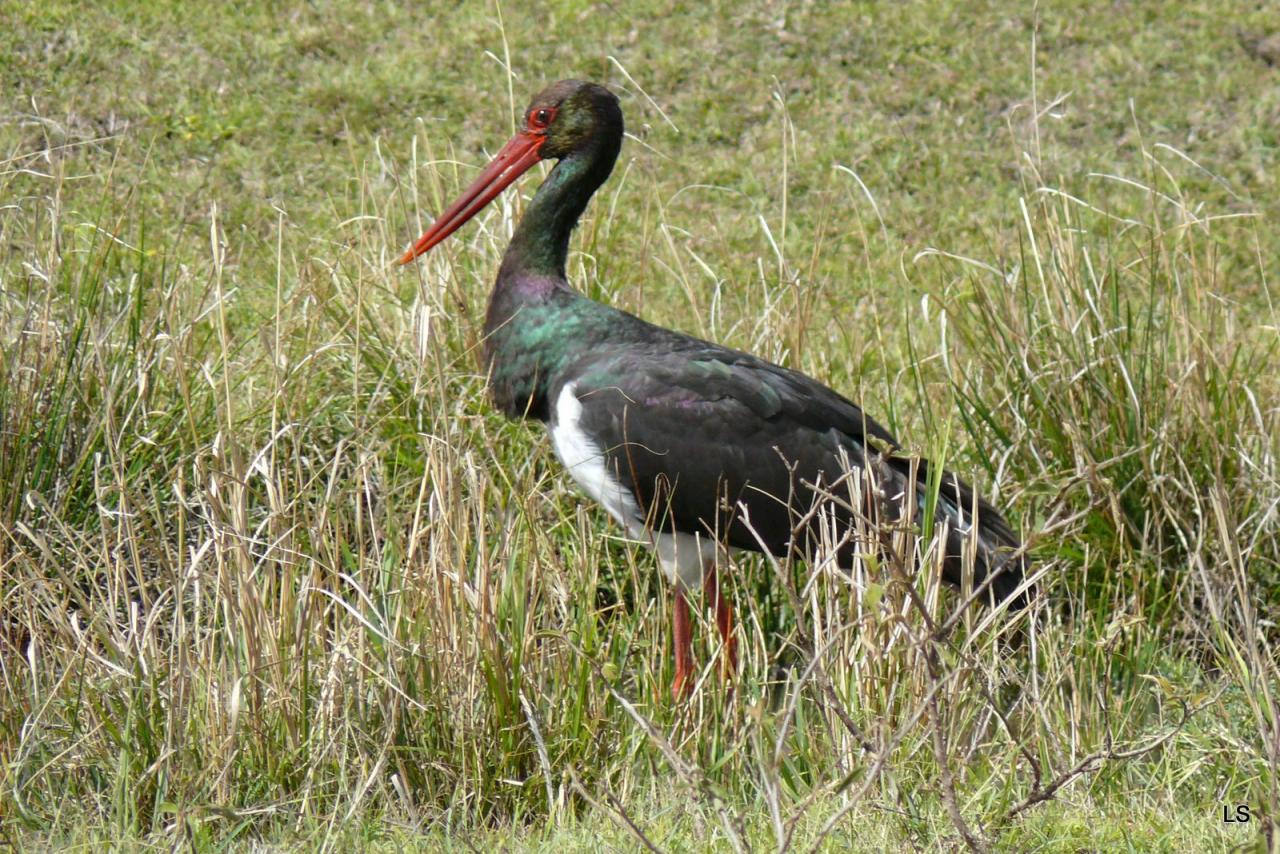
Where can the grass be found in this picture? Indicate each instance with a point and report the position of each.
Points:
(273, 574)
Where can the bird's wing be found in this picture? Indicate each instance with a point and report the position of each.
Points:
(710, 439)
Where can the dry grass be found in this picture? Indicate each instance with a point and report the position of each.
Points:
(272, 571)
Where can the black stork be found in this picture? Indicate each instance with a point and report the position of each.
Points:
(690, 446)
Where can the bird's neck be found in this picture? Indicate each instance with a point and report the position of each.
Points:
(540, 245)
(536, 323)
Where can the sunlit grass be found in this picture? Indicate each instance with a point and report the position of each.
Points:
(273, 572)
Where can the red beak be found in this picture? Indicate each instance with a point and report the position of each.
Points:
(512, 161)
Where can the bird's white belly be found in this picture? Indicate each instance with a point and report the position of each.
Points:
(681, 555)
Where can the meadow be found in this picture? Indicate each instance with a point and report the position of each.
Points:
(274, 575)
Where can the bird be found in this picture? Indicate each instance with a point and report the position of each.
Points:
(694, 448)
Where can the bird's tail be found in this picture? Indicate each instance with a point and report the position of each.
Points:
(973, 526)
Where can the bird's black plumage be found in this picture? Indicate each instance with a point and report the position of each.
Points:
(716, 441)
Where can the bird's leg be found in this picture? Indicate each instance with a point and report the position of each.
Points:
(683, 684)
(724, 620)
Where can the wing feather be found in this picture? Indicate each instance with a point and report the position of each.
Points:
(713, 440)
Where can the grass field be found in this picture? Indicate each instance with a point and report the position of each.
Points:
(274, 575)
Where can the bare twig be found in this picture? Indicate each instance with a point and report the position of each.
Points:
(1040, 794)
(975, 843)
(615, 812)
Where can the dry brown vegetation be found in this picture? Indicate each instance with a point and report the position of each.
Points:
(272, 571)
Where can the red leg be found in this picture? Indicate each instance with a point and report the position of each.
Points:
(683, 684)
(724, 621)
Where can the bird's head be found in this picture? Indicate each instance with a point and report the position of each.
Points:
(565, 118)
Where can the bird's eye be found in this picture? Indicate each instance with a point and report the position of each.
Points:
(541, 117)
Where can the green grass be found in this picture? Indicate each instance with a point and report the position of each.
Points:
(273, 573)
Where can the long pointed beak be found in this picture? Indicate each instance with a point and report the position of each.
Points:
(512, 161)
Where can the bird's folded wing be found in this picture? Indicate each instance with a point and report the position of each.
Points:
(706, 437)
